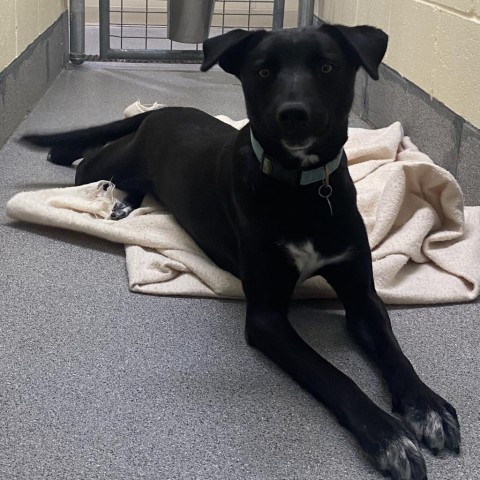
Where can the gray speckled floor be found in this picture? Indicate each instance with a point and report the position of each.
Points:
(100, 383)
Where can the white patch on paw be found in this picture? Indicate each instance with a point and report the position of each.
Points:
(435, 430)
(398, 456)
(429, 429)
(121, 210)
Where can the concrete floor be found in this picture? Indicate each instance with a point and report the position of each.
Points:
(100, 383)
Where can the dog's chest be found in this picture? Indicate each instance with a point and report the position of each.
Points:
(308, 260)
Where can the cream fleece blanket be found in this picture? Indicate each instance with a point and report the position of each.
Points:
(425, 245)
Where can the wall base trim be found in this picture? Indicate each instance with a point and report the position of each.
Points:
(25, 80)
(447, 138)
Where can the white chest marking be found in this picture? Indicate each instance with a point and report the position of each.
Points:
(307, 159)
(308, 260)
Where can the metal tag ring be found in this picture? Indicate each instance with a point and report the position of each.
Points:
(325, 190)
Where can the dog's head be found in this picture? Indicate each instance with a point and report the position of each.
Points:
(298, 84)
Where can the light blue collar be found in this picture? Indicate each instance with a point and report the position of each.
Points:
(294, 176)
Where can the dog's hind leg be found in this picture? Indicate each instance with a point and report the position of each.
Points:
(114, 163)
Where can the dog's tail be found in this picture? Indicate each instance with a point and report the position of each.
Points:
(66, 147)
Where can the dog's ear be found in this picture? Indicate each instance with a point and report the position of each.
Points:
(229, 49)
(366, 44)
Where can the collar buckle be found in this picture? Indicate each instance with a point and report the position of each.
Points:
(267, 165)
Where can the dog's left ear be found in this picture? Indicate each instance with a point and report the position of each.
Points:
(229, 49)
(367, 44)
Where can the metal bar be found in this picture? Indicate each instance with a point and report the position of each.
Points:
(305, 13)
(104, 25)
(146, 26)
(121, 24)
(162, 55)
(77, 32)
(278, 14)
(223, 17)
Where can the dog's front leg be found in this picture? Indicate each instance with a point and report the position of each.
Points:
(431, 418)
(268, 285)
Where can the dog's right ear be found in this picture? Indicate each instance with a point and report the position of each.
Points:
(229, 49)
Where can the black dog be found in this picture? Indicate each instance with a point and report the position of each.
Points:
(274, 204)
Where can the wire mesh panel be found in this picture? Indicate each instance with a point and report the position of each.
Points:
(137, 29)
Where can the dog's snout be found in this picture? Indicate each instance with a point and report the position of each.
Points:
(292, 115)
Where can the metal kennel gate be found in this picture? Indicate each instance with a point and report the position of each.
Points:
(141, 35)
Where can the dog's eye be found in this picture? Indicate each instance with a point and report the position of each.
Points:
(326, 68)
(264, 72)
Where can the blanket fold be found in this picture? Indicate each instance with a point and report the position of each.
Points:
(425, 244)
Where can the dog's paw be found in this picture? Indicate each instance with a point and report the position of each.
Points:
(62, 156)
(401, 459)
(120, 210)
(432, 419)
(392, 447)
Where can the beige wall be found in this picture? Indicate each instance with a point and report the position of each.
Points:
(435, 44)
(22, 21)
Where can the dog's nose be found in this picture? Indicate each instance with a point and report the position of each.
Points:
(292, 115)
